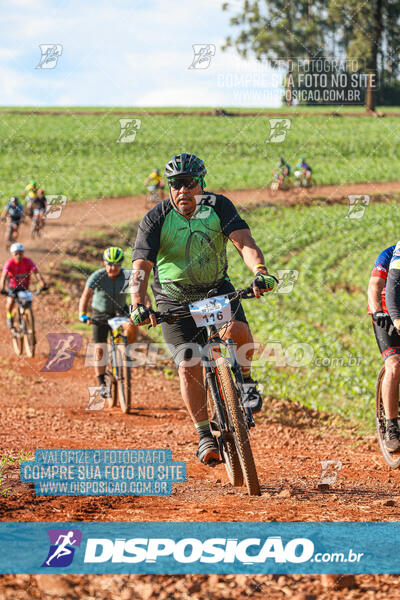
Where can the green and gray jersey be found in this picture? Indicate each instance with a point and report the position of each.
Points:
(189, 255)
(109, 294)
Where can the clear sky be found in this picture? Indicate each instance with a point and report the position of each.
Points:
(126, 53)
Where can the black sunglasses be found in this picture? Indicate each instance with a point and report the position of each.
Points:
(188, 182)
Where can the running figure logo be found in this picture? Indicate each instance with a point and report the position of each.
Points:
(203, 54)
(63, 349)
(50, 55)
(128, 129)
(278, 130)
(61, 551)
(357, 206)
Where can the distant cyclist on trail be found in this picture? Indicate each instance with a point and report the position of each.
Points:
(106, 289)
(17, 270)
(183, 240)
(282, 171)
(30, 193)
(384, 304)
(13, 213)
(40, 203)
(305, 169)
(156, 182)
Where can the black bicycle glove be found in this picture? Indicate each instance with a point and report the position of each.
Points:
(4, 292)
(140, 314)
(383, 320)
(265, 283)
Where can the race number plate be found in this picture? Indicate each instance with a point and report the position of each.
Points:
(212, 311)
(116, 322)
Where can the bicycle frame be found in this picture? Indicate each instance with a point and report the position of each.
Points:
(116, 337)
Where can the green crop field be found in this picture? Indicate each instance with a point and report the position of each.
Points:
(80, 156)
(317, 342)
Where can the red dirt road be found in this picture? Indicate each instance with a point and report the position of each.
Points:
(42, 410)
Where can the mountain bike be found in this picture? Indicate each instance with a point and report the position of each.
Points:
(12, 228)
(300, 180)
(37, 223)
(392, 458)
(277, 184)
(23, 330)
(230, 419)
(118, 370)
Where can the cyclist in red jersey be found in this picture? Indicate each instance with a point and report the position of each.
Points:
(18, 270)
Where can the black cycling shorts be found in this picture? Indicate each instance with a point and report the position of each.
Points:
(100, 332)
(387, 344)
(184, 338)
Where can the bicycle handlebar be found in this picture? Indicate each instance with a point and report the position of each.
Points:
(98, 322)
(180, 312)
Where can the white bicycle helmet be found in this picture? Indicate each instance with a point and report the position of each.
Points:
(17, 247)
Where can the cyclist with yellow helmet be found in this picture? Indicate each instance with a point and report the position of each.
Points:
(106, 290)
(30, 193)
(155, 182)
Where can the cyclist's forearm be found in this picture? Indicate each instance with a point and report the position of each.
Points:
(253, 258)
(248, 249)
(393, 294)
(39, 277)
(375, 287)
(139, 281)
(2, 281)
(84, 300)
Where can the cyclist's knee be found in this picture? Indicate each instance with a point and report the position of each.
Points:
(239, 332)
(99, 352)
(131, 332)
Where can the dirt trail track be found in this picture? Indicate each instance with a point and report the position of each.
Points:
(46, 410)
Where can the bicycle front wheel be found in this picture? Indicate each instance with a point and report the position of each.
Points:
(230, 455)
(29, 333)
(239, 433)
(111, 384)
(124, 378)
(392, 458)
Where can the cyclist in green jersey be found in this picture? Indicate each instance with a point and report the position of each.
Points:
(106, 289)
(183, 240)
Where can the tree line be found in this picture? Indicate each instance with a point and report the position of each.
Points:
(364, 35)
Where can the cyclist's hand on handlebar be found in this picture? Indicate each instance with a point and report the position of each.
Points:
(84, 318)
(4, 292)
(142, 315)
(263, 283)
(382, 319)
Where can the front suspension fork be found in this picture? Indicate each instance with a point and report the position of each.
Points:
(237, 371)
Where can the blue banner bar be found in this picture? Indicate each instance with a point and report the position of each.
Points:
(180, 548)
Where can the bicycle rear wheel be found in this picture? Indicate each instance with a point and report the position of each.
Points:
(29, 333)
(16, 332)
(230, 455)
(124, 379)
(239, 433)
(392, 458)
